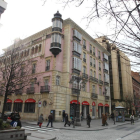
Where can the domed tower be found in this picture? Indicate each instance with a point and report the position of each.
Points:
(56, 36)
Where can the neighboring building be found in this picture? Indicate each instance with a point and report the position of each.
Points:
(3, 6)
(74, 52)
(136, 90)
(120, 74)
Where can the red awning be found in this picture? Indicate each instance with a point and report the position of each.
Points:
(18, 101)
(85, 103)
(9, 101)
(93, 103)
(100, 104)
(74, 102)
(106, 105)
(30, 101)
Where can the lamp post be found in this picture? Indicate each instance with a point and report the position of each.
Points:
(76, 82)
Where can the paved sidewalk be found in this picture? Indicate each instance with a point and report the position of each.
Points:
(96, 125)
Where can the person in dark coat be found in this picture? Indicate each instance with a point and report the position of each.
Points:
(66, 120)
(106, 119)
(40, 120)
(63, 115)
(88, 119)
(103, 119)
(50, 120)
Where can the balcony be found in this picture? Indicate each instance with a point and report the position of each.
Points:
(84, 47)
(93, 95)
(94, 65)
(19, 92)
(100, 68)
(105, 60)
(100, 82)
(84, 76)
(91, 51)
(105, 70)
(93, 79)
(90, 63)
(75, 91)
(47, 68)
(30, 90)
(84, 60)
(106, 97)
(45, 89)
(106, 83)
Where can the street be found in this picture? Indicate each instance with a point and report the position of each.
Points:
(123, 132)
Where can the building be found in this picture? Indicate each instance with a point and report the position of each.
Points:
(59, 54)
(136, 90)
(120, 74)
(3, 6)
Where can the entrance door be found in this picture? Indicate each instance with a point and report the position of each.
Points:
(100, 111)
(84, 111)
(93, 111)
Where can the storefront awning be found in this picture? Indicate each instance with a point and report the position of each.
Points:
(30, 101)
(106, 105)
(85, 103)
(93, 103)
(100, 104)
(9, 101)
(74, 102)
(18, 101)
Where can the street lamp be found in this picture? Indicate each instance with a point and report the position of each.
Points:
(76, 82)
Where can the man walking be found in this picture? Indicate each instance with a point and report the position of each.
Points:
(132, 118)
(66, 120)
(50, 120)
(88, 120)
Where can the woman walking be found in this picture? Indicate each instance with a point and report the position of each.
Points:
(40, 120)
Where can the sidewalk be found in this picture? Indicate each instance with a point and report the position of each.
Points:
(95, 125)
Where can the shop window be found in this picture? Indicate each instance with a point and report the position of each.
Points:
(17, 107)
(8, 106)
(29, 108)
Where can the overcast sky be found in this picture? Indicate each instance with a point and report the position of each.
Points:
(23, 18)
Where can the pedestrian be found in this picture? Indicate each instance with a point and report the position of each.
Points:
(132, 118)
(112, 116)
(66, 120)
(106, 119)
(63, 115)
(50, 120)
(88, 120)
(103, 119)
(40, 120)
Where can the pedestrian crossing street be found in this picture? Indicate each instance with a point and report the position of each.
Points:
(42, 129)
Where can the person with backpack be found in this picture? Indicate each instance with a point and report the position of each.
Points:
(50, 120)
(132, 118)
(66, 120)
(88, 120)
(40, 120)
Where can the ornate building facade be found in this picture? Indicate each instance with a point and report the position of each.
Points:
(58, 54)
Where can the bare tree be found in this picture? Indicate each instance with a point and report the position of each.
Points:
(123, 16)
(15, 73)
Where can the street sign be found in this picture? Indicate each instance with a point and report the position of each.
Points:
(39, 103)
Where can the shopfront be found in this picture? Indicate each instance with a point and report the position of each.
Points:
(93, 110)
(85, 109)
(100, 110)
(18, 105)
(106, 108)
(73, 107)
(8, 105)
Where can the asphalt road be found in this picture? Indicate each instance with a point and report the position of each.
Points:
(124, 132)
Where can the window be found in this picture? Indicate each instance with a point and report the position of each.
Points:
(90, 47)
(29, 108)
(77, 47)
(47, 65)
(57, 80)
(77, 34)
(106, 77)
(84, 43)
(3, 75)
(57, 23)
(100, 78)
(33, 68)
(46, 82)
(39, 48)
(90, 72)
(94, 63)
(106, 66)
(95, 74)
(77, 63)
(105, 56)
(100, 90)
(84, 87)
(93, 88)
(8, 106)
(93, 50)
(90, 61)
(84, 57)
(56, 38)
(17, 107)
(32, 85)
(84, 69)
(99, 55)
(99, 65)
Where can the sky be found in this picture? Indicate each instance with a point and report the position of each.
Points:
(23, 18)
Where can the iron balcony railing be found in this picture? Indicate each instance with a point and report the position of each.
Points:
(84, 76)
(106, 83)
(106, 97)
(105, 70)
(30, 90)
(84, 46)
(100, 82)
(104, 59)
(93, 79)
(45, 89)
(94, 95)
(84, 59)
(19, 92)
(75, 91)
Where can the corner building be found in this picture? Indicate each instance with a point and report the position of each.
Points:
(58, 54)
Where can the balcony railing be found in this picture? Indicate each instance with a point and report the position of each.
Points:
(45, 89)
(106, 97)
(19, 92)
(75, 91)
(93, 95)
(105, 70)
(100, 82)
(47, 68)
(93, 79)
(30, 90)
(84, 76)
(84, 59)
(106, 83)
(84, 46)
